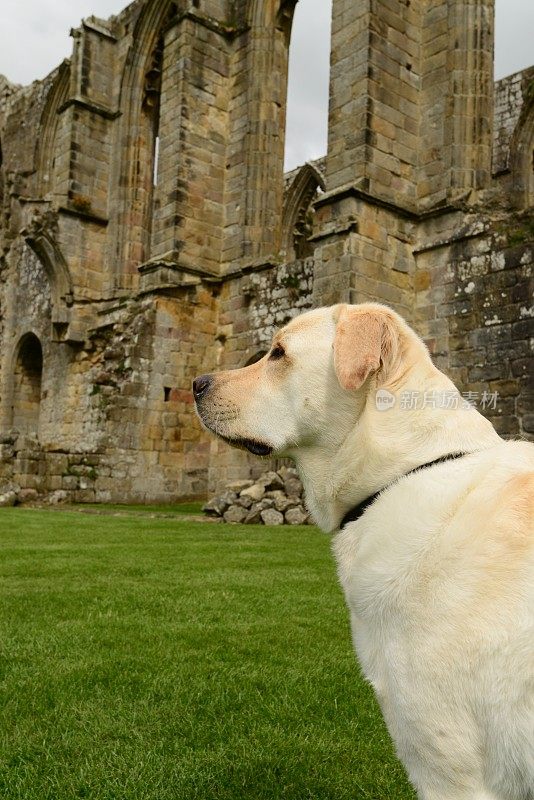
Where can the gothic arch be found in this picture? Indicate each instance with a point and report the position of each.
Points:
(522, 157)
(266, 13)
(45, 150)
(153, 17)
(137, 132)
(42, 242)
(299, 195)
(26, 387)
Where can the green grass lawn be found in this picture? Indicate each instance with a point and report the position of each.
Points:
(160, 658)
(192, 507)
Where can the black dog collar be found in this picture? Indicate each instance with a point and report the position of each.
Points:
(355, 513)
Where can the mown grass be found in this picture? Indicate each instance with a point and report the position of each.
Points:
(155, 659)
(193, 507)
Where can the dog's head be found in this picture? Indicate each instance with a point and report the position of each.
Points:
(312, 385)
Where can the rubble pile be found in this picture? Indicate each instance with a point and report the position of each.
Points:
(275, 498)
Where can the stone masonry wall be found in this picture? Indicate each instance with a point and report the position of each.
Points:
(474, 306)
(147, 234)
(511, 97)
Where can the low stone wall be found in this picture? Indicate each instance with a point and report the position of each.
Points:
(28, 472)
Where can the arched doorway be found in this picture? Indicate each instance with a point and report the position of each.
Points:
(27, 379)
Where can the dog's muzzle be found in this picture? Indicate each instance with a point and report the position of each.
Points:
(201, 387)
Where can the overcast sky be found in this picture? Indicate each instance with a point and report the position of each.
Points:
(34, 38)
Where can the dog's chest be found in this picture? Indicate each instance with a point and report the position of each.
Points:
(380, 567)
(386, 578)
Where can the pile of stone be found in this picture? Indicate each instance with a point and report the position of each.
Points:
(275, 498)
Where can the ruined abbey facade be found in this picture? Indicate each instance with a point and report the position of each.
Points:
(148, 233)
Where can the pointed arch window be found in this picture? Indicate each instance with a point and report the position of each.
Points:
(308, 82)
(303, 186)
(151, 121)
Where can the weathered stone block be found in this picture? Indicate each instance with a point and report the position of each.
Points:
(272, 517)
(296, 516)
(271, 481)
(245, 501)
(293, 487)
(235, 514)
(27, 495)
(8, 499)
(255, 492)
(7, 452)
(253, 516)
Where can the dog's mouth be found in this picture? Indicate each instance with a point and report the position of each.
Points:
(253, 446)
(257, 448)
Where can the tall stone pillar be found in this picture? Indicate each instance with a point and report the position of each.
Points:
(374, 98)
(411, 98)
(255, 163)
(188, 206)
(409, 133)
(456, 100)
(470, 122)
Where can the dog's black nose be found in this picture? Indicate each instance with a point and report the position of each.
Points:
(201, 385)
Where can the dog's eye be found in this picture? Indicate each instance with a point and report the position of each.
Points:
(277, 352)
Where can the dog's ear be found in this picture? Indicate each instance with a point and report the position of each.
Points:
(364, 342)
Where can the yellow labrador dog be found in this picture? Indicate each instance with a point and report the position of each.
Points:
(435, 535)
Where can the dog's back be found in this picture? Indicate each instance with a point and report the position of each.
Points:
(508, 714)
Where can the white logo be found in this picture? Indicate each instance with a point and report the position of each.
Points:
(384, 400)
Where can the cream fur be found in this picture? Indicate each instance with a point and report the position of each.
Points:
(438, 574)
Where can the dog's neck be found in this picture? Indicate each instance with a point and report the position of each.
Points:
(383, 445)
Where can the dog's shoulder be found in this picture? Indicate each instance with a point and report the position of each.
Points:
(441, 516)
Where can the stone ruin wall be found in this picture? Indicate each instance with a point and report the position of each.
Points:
(128, 277)
(474, 296)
